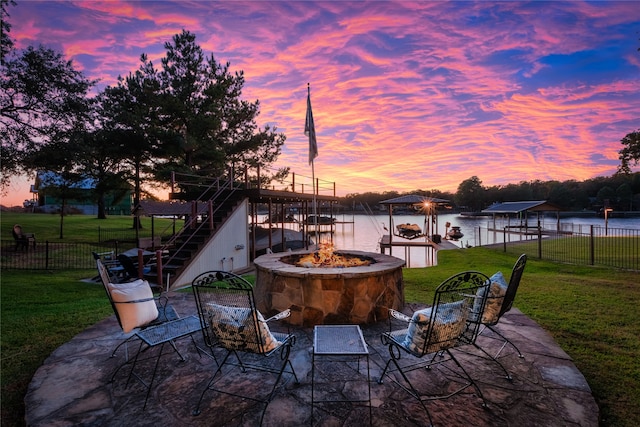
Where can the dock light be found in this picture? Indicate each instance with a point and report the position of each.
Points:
(606, 220)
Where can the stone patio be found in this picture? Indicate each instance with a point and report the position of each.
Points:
(72, 387)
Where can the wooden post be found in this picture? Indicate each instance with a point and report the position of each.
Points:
(159, 267)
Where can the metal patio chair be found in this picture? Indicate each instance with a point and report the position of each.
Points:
(230, 321)
(499, 301)
(434, 332)
(135, 308)
(166, 312)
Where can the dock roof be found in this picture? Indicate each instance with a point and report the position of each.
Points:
(523, 206)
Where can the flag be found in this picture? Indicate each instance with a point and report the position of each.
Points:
(310, 130)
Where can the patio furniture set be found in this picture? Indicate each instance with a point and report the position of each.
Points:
(238, 337)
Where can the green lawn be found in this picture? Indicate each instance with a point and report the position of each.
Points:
(591, 312)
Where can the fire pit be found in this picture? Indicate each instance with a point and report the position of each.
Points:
(327, 294)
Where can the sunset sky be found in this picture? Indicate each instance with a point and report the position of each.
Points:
(405, 95)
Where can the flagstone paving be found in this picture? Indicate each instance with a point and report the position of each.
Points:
(73, 386)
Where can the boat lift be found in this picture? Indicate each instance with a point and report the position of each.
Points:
(408, 233)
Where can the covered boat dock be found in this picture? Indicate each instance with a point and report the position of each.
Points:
(519, 212)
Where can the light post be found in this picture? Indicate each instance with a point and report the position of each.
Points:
(606, 220)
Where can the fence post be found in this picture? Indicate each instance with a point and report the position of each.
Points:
(539, 242)
(504, 239)
(159, 267)
(592, 251)
(46, 256)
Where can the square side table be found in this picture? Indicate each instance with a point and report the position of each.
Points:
(340, 341)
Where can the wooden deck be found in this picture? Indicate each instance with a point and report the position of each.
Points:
(387, 243)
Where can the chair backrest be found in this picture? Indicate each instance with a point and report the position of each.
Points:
(105, 278)
(17, 232)
(514, 282)
(228, 313)
(457, 300)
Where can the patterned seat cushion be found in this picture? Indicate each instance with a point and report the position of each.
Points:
(447, 327)
(235, 328)
(497, 290)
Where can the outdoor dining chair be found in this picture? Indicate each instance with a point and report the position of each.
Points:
(165, 311)
(134, 306)
(434, 332)
(499, 301)
(23, 240)
(230, 321)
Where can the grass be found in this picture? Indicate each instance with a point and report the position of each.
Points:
(76, 228)
(592, 313)
(40, 311)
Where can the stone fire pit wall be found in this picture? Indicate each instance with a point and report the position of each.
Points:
(352, 295)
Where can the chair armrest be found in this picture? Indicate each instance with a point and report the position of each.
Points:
(135, 301)
(400, 316)
(279, 316)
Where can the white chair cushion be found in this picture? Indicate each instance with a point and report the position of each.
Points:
(235, 328)
(448, 326)
(133, 315)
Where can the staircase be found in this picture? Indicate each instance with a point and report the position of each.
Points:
(205, 220)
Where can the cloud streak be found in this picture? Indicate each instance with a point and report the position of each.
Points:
(405, 95)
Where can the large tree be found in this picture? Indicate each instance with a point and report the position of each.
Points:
(41, 96)
(6, 44)
(130, 126)
(630, 154)
(207, 126)
(471, 194)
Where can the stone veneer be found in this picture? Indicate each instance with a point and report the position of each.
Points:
(352, 295)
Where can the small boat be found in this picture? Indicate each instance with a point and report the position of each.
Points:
(409, 231)
(455, 233)
(292, 240)
(320, 220)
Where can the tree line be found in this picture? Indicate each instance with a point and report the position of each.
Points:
(620, 192)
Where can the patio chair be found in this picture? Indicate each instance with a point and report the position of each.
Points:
(230, 320)
(436, 331)
(499, 301)
(135, 308)
(165, 311)
(23, 240)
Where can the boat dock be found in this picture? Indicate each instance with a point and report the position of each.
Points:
(387, 243)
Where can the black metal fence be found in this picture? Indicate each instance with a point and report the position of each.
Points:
(54, 255)
(588, 245)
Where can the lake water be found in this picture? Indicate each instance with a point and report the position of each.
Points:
(363, 232)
